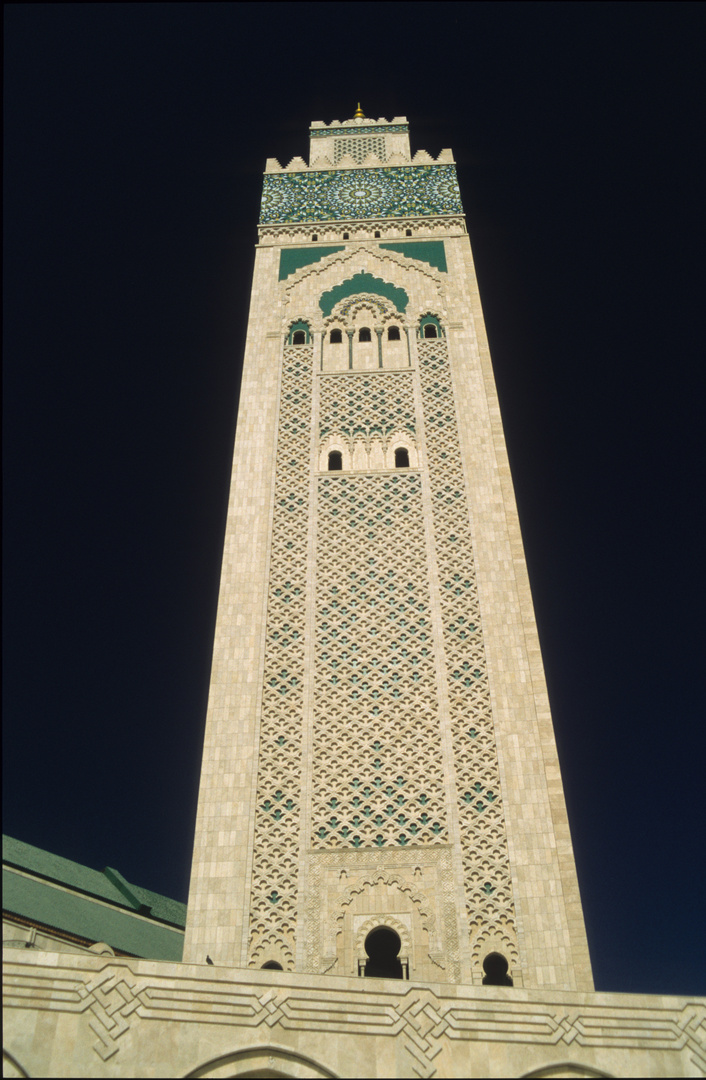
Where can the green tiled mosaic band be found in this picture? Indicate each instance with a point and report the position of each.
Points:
(349, 194)
(386, 129)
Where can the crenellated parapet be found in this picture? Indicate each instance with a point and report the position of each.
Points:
(358, 170)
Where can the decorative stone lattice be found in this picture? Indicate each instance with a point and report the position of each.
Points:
(378, 776)
(485, 857)
(276, 848)
(366, 406)
(341, 194)
(359, 147)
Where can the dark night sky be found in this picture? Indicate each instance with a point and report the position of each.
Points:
(135, 139)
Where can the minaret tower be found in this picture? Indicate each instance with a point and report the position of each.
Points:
(380, 790)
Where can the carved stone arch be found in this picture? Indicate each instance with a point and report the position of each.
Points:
(298, 325)
(334, 441)
(350, 307)
(498, 937)
(417, 280)
(264, 1060)
(362, 282)
(433, 317)
(334, 323)
(267, 944)
(399, 440)
(380, 877)
(391, 923)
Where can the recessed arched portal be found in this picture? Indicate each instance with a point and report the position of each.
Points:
(496, 970)
(383, 947)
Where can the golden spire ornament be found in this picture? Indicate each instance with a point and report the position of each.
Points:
(359, 114)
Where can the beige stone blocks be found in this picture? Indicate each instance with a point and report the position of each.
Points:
(94, 1016)
(543, 893)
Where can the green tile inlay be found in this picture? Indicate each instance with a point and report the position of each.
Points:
(428, 251)
(293, 259)
(363, 283)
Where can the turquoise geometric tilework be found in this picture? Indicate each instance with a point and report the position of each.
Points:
(363, 283)
(352, 194)
(386, 129)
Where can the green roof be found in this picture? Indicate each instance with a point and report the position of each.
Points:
(92, 904)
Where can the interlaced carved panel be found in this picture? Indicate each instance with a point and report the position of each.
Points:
(366, 406)
(378, 776)
(276, 847)
(485, 856)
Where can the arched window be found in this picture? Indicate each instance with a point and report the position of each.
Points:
(382, 946)
(299, 333)
(430, 327)
(315, 237)
(401, 458)
(346, 236)
(336, 337)
(364, 334)
(335, 460)
(272, 965)
(408, 232)
(393, 333)
(377, 235)
(495, 967)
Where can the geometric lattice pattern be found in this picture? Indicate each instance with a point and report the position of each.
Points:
(377, 768)
(363, 406)
(485, 858)
(378, 772)
(276, 849)
(359, 147)
(345, 194)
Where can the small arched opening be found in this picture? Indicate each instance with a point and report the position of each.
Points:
(336, 337)
(364, 334)
(299, 333)
(430, 327)
(272, 965)
(401, 458)
(393, 333)
(335, 460)
(496, 969)
(383, 947)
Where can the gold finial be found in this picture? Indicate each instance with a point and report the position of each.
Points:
(359, 114)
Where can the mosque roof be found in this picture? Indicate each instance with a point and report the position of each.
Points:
(95, 905)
